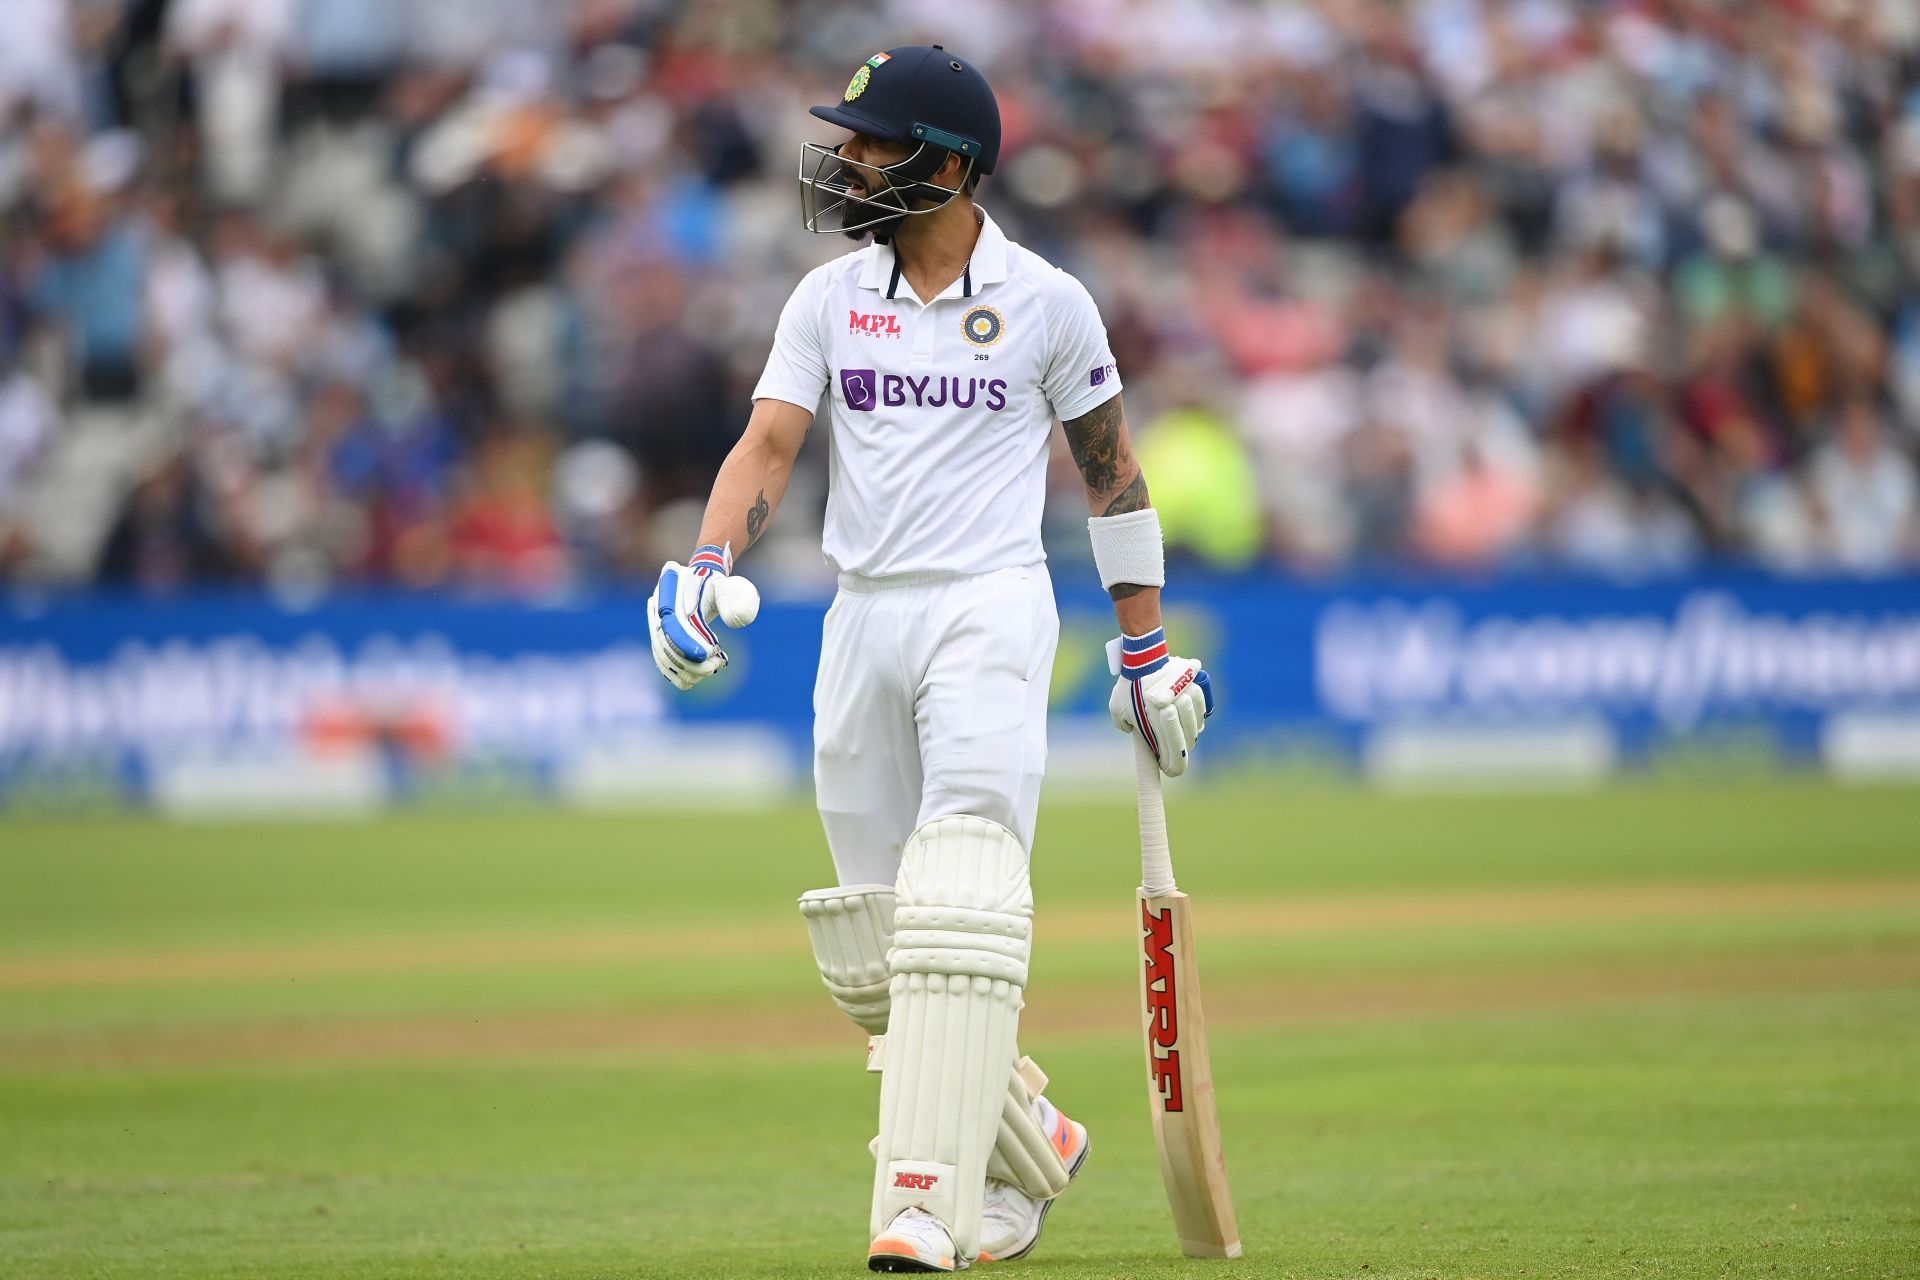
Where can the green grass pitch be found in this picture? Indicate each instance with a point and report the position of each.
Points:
(1663, 1030)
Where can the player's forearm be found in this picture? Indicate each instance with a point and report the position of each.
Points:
(1136, 608)
(1103, 451)
(745, 495)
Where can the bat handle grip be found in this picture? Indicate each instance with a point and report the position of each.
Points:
(1156, 858)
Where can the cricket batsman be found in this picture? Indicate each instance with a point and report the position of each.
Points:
(943, 353)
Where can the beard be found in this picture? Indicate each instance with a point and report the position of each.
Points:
(881, 231)
(858, 222)
(906, 191)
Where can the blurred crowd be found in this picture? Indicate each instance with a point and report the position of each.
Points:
(426, 293)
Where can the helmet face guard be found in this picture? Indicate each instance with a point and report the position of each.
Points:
(827, 195)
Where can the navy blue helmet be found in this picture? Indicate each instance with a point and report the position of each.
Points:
(921, 97)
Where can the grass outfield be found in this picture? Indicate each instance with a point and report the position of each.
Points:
(1664, 1030)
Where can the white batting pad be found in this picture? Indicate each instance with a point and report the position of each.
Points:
(1022, 1152)
(852, 930)
(962, 935)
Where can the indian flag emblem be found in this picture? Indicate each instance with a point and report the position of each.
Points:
(858, 85)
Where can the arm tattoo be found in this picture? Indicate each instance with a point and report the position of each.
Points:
(756, 519)
(1094, 440)
(1131, 498)
(1106, 464)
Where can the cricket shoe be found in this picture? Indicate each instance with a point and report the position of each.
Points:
(1011, 1219)
(914, 1241)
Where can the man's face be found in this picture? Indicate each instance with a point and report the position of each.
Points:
(865, 153)
(871, 192)
(862, 157)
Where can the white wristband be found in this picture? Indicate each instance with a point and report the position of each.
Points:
(1126, 548)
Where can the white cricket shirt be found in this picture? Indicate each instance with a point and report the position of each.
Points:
(939, 413)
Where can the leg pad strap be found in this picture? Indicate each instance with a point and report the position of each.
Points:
(1023, 1152)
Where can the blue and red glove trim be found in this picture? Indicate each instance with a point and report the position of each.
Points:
(706, 562)
(1143, 655)
(1140, 720)
(690, 633)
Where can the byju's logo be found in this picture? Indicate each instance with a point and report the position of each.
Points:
(1100, 375)
(859, 388)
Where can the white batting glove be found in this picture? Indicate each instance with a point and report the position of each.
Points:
(683, 606)
(1167, 699)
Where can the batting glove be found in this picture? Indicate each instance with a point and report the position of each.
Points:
(683, 606)
(1165, 698)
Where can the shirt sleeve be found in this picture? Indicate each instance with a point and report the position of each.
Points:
(1080, 370)
(797, 365)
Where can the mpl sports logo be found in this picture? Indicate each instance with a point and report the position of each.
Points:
(865, 390)
(1163, 1016)
(873, 326)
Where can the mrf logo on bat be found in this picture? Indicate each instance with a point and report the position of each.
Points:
(1162, 998)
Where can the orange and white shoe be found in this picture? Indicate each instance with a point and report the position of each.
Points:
(914, 1241)
(1011, 1219)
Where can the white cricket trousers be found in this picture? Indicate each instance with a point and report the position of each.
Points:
(931, 700)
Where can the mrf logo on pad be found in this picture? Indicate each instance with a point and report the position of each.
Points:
(1163, 1025)
(916, 1181)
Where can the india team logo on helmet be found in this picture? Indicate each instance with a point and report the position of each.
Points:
(932, 103)
(858, 85)
(982, 326)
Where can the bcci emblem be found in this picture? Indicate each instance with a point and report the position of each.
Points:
(858, 85)
(982, 326)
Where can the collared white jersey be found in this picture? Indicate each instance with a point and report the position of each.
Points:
(939, 414)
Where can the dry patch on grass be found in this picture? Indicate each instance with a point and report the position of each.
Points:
(1088, 1009)
(1225, 918)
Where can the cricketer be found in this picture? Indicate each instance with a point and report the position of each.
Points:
(944, 353)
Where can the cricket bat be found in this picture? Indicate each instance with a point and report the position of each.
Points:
(1186, 1124)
